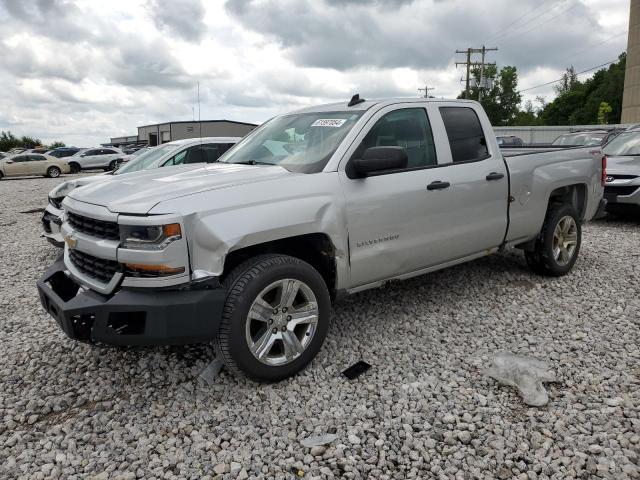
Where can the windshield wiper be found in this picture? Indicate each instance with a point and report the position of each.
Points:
(253, 162)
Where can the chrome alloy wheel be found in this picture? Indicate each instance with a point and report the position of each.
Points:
(281, 322)
(565, 240)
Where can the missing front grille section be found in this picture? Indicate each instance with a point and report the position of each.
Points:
(127, 323)
(63, 286)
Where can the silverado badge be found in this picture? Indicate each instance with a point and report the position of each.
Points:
(71, 241)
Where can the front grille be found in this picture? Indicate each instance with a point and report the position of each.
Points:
(98, 268)
(93, 227)
(620, 176)
(620, 190)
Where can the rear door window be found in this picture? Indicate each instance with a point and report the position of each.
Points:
(466, 137)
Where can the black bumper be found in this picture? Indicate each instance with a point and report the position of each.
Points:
(130, 317)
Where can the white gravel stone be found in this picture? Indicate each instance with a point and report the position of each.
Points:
(117, 411)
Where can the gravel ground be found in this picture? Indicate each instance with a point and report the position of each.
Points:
(424, 409)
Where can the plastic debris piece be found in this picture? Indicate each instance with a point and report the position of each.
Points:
(211, 371)
(318, 440)
(298, 472)
(523, 373)
(357, 369)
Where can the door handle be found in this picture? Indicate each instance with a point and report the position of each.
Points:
(494, 176)
(438, 185)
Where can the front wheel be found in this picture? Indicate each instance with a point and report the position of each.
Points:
(74, 167)
(275, 318)
(557, 247)
(53, 172)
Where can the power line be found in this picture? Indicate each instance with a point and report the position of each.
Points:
(508, 34)
(594, 45)
(560, 79)
(515, 22)
(544, 21)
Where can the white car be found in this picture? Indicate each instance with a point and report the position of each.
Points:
(179, 152)
(95, 158)
(30, 164)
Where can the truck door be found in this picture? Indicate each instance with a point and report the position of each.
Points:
(387, 214)
(475, 212)
(436, 210)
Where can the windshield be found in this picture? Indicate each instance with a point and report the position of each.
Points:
(300, 143)
(627, 143)
(574, 140)
(147, 159)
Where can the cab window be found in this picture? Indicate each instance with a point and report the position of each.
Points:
(408, 128)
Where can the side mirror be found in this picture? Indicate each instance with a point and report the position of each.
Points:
(379, 159)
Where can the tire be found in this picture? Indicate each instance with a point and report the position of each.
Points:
(112, 166)
(1, 175)
(75, 168)
(53, 172)
(265, 277)
(558, 244)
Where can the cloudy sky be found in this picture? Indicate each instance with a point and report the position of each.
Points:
(86, 70)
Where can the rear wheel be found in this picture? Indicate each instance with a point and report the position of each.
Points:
(275, 318)
(112, 166)
(53, 172)
(557, 247)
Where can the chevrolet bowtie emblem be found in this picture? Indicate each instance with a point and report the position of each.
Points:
(70, 241)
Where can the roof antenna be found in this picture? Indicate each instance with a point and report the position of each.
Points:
(355, 100)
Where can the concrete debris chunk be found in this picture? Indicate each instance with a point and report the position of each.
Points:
(525, 374)
(318, 440)
(211, 371)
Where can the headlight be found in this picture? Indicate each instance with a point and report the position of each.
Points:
(62, 190)
(154, 237)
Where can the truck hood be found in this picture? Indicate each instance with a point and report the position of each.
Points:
(137, 193)
(623, 165)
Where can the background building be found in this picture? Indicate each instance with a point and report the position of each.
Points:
(631, 95)
(166, 132)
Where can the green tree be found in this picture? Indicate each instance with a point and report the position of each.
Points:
(30, 142)
(569, 79)
(578, 103)
(8, 141)
(603, 113)
(501, 100)
(56, 145)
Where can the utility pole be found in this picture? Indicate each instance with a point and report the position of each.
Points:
(469, 51)
(426, 90)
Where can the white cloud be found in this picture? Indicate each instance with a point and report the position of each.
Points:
(83, 71)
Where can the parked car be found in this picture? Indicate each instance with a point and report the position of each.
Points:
(622, 188)
(30, 164)
(132, 154)
(585, 138)
(509, 141)
(96, 158)
(39, 150)
(249, 252)
(63, 152)
(179, 152)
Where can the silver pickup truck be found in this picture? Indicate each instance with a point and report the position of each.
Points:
(250, 252)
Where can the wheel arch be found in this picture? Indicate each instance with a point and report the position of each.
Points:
(574, 194)
(316, 249)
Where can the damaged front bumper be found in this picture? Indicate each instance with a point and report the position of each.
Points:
(51, 223)
(131, 316)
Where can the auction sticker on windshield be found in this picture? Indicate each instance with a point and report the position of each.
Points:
(328, 122)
